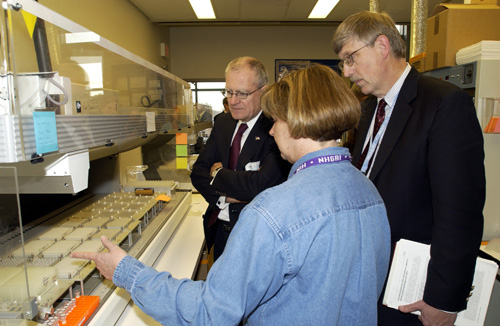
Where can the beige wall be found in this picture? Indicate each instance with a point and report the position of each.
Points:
(118, 21)
(203, 52)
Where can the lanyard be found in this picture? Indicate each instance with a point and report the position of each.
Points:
(326, 159)
(375, 143)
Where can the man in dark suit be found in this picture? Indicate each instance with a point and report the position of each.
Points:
(426, 160)
(259, 165)
(226, 108)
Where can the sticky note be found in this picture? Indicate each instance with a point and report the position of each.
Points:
(492, 125)
(497, 126)
(45, 131)
(150, 122)
(181, 139)
(181, 150)
(164, 198)
(181, 163)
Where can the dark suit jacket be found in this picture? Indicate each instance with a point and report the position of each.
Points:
(430, 172)
(240, 184)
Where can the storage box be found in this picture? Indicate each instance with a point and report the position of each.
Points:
(418, 62)
(455, 26)
(482, 2)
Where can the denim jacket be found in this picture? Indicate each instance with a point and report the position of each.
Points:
(311, 251)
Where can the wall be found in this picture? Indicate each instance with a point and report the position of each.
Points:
(118, 21)
(196, 53)
(199, 53)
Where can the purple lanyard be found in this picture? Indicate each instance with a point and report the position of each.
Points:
(326, 159)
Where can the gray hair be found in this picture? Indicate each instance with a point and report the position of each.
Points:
(366, 26)
(251, 63)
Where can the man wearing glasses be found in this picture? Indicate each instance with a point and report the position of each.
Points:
(420, 143)
(240, 159)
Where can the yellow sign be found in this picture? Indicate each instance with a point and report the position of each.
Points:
(30, 21)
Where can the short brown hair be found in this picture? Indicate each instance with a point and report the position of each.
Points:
(314, 102)
(366, 26)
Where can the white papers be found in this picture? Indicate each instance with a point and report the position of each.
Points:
(484, 50)
(408, 274)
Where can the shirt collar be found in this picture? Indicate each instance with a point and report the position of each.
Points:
(392, 95)
(250, 123)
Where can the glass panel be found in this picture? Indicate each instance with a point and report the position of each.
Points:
(86, 76)
(15, 296)
(213, 99)
(100, 93)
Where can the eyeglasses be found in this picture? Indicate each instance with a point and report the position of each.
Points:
(348, 60)
(240, 95)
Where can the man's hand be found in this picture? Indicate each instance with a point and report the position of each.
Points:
(430, 316)
(106, 262)
(229, 200)
(215, 167)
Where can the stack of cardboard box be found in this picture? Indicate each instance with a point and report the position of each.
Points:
(452, 27)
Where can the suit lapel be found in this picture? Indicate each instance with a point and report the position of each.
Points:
(363, 127)
(400, 115)
(254, 140)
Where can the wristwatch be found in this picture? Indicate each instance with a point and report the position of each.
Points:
(215, 172)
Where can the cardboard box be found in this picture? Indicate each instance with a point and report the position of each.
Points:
(455, 26)
(482, 2)
(418, 62)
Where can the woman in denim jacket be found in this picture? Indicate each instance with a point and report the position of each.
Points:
(311, 251)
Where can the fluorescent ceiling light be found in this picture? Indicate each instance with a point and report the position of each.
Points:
(322, 8)
(203, 9)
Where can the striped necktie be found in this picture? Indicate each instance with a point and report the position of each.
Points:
(234, 152)
(379, 119)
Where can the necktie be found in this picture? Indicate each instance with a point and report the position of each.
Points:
(234, 152)
(379, 118)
